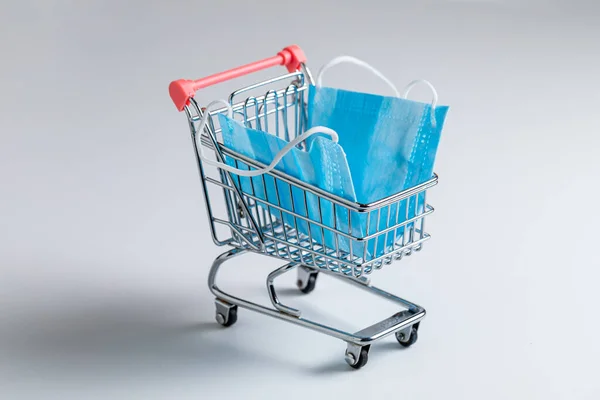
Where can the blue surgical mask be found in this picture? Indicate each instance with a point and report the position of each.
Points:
(390, 143)
(323, 165)
(386, 144)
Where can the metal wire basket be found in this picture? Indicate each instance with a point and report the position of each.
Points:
(358, 239)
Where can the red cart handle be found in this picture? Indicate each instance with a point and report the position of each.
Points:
(182, 90)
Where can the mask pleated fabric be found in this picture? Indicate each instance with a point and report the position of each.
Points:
(386, 144)
(390, 144)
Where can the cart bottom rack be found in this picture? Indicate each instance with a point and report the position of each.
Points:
(404, 324)
(269, 213)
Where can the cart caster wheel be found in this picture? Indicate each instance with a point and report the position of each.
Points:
(227, 320)
(362, 358)
(226, 314)
(401, 337)
(307, 280)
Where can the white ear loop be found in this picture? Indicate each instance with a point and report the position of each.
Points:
(360, 63)
(434, 101)
(278, 157)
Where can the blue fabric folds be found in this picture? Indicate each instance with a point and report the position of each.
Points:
(324, 165)
(386, 145)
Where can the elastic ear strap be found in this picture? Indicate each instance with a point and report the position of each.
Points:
(434, 100)
(360, 63)
(407, 89)
(276, 159)
(202, 125)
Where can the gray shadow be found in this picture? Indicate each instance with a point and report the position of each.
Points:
(137, 335)
(290, 292)
(127, 337)
(333, 367)
(391, 344)
(378, 349)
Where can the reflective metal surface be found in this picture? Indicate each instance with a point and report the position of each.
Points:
(397, 322)
(265, 226)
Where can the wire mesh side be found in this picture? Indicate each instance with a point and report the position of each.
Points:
(300, 223)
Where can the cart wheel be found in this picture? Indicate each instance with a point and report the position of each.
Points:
(411, 340)
(362, 358)
(227, 318)
(309, 285)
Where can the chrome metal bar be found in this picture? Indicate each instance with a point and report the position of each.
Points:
(423, 219)
(285, 116)
(269, 218)
(329, 228)
(308, 224)
(392, 324)
(322, 230)
(203, 180)
(280, 228)
(307, 73)
(221, 158)
(271, 290)
(281, 210)
(264, 83)
(362, 337)
(358, 207)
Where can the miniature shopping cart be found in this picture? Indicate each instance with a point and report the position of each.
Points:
(246, 221)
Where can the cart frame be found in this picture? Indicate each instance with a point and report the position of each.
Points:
(258, 224)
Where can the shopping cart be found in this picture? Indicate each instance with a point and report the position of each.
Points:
(244, 219)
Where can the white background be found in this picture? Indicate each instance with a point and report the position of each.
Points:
(104, 242)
